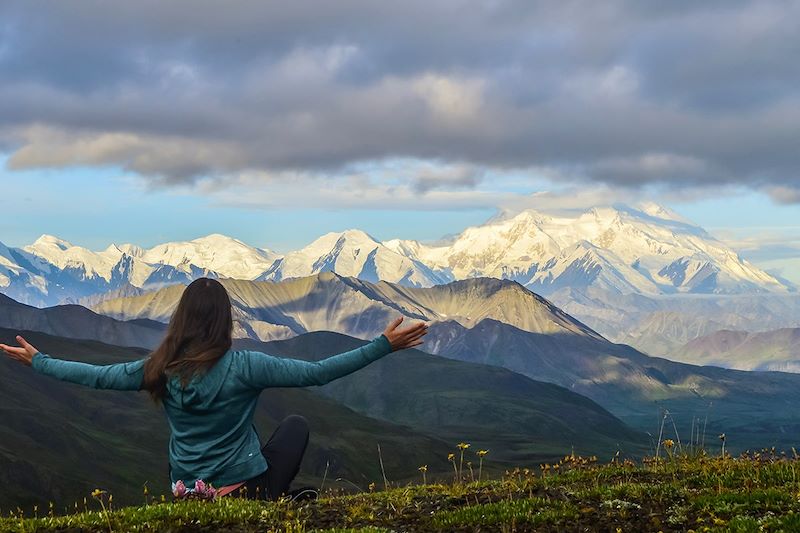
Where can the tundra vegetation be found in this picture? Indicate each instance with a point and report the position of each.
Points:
(683, 489)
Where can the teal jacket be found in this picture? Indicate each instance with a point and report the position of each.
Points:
(211, 420)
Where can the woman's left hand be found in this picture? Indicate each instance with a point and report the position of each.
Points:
(24, 355)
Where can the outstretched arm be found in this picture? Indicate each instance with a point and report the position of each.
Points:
(264, 370)
(120, 376)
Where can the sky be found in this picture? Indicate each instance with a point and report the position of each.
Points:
(274, 123)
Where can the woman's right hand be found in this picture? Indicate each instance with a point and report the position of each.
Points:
(24, 354)
(407, 337)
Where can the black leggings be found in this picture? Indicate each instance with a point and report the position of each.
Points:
(283, 451)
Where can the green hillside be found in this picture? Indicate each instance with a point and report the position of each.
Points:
(753, 408)
(522, 419)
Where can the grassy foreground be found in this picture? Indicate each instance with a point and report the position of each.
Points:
(752, 492)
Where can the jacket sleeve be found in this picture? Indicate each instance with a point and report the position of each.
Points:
(121, 376)
(262, 370)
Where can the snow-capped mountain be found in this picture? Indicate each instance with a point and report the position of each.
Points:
(354, 253)
(20, 273)
(51, 270)
(227, 257)
(645, 250)
(215, 253)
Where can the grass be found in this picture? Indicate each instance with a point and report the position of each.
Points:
(751, 492)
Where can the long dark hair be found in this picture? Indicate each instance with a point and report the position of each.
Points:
(198, 335)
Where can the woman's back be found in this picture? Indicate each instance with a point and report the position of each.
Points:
(211, 422)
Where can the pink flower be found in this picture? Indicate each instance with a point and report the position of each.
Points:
(180, 489)
(200, 491)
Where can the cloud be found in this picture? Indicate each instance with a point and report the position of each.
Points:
(398, 185)
(446, 176)
(768, 244)
(775, 249)
(567, 201)
(161, 156)
(451, 102)
(622, 93)
(783, 194)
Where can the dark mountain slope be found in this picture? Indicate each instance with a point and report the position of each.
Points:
(519, 418)
(77, 322)
(754, 409)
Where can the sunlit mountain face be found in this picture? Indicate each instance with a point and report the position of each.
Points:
(644, 250)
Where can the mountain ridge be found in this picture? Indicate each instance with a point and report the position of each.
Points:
(777, 350)
(646, 250)
(330, 301)
(500, 323)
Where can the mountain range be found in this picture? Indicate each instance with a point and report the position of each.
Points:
(661, 325)
(265, 310)
(501, 323)
(777, 350)
(644, 250)
(640, 274)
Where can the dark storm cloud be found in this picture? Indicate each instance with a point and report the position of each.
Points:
(684, 93)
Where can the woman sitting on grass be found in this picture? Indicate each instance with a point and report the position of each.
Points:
(209, 393)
